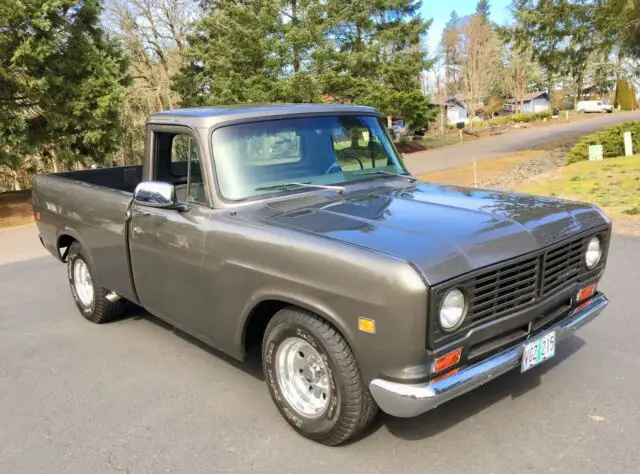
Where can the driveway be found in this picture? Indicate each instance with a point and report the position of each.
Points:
(133, 396)
(459, 155)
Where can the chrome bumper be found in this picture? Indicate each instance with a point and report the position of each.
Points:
(405, 400)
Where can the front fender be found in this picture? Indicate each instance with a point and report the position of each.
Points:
(308, 302)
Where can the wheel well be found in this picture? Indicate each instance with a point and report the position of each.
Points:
(64, 242)
(258, 320)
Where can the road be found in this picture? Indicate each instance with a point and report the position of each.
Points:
(459, 155)
(133, 396)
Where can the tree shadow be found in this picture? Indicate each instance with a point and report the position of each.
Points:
(512, 384)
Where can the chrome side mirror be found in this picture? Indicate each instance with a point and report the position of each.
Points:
(156, 194)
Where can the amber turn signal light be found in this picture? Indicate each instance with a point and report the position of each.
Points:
(446, 361)
(586, 292)
(367, 325)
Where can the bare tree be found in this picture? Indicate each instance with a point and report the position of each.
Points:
(154, 34)
(520, 72)
(479, 61)
(451, 55)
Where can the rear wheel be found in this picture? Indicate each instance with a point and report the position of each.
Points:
(313, 378)
(89, 296)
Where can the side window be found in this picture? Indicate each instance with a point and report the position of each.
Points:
(177, 161)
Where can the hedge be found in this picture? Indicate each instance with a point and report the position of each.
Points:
(519, 118)
(611, 140)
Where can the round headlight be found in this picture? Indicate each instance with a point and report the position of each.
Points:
(594, 253)
(452, 310)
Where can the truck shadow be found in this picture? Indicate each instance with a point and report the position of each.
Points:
(252, 365)
(512, 384)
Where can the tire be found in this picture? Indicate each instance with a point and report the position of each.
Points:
(349, 405)
(94, 306)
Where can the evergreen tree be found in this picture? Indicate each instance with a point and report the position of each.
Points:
(377, 56)
(61, 83)
(484, 10)
(563, 35)
(230, 58)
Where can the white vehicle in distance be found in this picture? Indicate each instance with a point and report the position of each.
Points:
(594, 106)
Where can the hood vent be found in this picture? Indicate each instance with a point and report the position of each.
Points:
(291, 203)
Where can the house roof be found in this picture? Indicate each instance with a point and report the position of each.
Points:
(534, 95)
(453, 100)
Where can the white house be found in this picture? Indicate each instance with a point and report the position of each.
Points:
(532, 102)
(456, 111)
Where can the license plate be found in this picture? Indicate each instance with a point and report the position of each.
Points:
(538, 351)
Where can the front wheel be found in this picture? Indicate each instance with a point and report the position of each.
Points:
(313, 378)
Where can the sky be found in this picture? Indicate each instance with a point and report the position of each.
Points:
(440, 10)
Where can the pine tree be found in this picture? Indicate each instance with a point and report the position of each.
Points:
(484, 10)
(61, 83)
(377, 57)
(230, 57)
(563, 35)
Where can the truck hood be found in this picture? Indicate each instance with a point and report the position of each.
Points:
(445, 231)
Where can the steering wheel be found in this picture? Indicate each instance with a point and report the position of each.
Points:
(343, 158)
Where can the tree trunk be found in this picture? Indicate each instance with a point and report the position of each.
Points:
(294, 22)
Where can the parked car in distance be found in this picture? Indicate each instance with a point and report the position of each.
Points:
(296, 231)
(586, 106)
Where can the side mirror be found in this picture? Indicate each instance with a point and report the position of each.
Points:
(157, 194)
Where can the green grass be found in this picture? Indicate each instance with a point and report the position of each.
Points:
(613, 184)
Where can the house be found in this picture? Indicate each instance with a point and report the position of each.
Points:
(456, 110)
(531, 102)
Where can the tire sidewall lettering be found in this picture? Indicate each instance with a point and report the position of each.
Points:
(319, 425)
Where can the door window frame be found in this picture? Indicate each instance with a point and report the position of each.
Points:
(150, 171)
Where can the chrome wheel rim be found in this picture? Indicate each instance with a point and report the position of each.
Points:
(303, 377)
(82, 282)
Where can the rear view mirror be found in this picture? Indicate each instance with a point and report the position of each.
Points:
(157, 194)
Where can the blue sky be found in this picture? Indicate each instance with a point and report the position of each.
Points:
(440, 10)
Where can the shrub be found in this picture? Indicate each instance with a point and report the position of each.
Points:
(519, 118)
(625, 96)
(611, 140)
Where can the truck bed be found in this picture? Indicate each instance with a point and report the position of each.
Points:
(122, 178)
(89, 206)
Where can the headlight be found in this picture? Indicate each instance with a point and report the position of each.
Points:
(452, 310)
(594, 253)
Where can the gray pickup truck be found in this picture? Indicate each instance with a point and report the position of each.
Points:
(297, 230)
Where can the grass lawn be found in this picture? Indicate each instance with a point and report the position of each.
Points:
(613, 184)
(485, 169)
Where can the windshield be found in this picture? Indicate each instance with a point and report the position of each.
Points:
(260, 158)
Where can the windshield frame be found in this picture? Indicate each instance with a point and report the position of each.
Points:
(301, 190)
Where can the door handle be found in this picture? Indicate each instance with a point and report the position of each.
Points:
(139, 213)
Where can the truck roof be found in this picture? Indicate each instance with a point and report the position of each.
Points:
(205, 117)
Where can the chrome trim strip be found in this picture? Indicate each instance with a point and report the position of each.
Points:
(404, 400)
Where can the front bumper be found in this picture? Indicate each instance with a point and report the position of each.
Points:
(404, 400)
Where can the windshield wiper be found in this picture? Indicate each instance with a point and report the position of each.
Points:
(285, 186)
(374, 171)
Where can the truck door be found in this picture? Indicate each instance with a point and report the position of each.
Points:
(167, 246)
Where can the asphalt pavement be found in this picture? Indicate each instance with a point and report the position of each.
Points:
(133, 396)
(514, 140)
